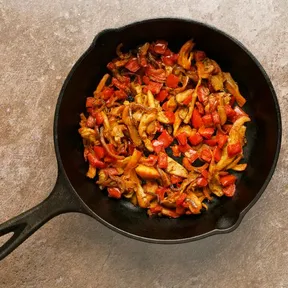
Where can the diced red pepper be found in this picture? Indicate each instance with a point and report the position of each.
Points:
(154, 87)
(157, 145)
(118, 84)
(181, 199)
(206, 132)
(195, 139)
(196, 119)
(162, 160)
(89, 102)
(91, 121)
(186, 163)
(171, 116)
(187, 100)
(239, 113)
(99, 152)
(150, 161)
(217, 154)
(160, 47)
(234, 149)
(133, 65)
(200, 108)
(165, 138)
(229, 111)
(184, 148)
(207, 120)
(180, 210)
(114, 193)
(201, 182)
(227, 180)
(205, 174)
(172, 81)
(157, 209)
(202, 93)
(205, 155)
(175, 179)
(175, 150)
(146, 79)
(211, 142)
(221, 139)
(99, 118)
(107, 93)
(227, 127)
(120, 94)
(191, 154)
(230, 190)
(111, 66)
(161, 192)
(213, 103)
(182, 138)
(95, 162)
(215, 117)
(162, 95)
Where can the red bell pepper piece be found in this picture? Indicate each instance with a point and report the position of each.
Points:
(229, 111)
(154, 87)
(157, 146)
(95, 162)
(227, 127)
(221, 139)
(205, 174)
(160, 46)
(99, 152)
(186, 163)
(187, 100)
(206, 132)
(181, 199)
(165, 138)
(99, 118)
(170, 115)
(146, 79)
(175, 150)
(205, 155)
(157, 209)
(162, 160)
(239, 113)
(91, 121)
(162, 95)
(133, 65)
(161, 192)
(191, 154)
(196, 119)
(120, 94)
(200, 108)
(202, 93)
(90, 102)
(114, 193)
(195, 139)
(234, 149)
(150, 161)
(217, 154)
(180, 210)
(184, 148)
(211, 142)
(182, 138)
(230, 190)
(207, 120)
(215, 117)
(175, 179)
(118, 84)
(172, 81)
(227, 180)
(107, 93)
(201, 182)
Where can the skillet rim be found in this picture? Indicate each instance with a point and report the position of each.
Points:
(214, 231)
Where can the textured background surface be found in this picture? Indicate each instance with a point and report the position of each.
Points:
(39, 42)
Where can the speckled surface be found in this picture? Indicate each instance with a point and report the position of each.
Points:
(39, 42)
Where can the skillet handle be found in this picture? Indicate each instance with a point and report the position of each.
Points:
(61, 200)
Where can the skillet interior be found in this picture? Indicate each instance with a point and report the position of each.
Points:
(263, 134)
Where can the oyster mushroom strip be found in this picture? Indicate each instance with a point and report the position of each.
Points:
(145, 121)
(235, 135)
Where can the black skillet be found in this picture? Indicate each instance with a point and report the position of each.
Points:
(74, 192)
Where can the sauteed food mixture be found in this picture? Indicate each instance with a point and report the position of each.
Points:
(165, 129)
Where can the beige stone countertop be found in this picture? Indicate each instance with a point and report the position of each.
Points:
(39, 42)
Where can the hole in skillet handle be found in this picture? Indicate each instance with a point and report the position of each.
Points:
(61, 200)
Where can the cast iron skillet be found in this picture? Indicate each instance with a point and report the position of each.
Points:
(74, 192)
